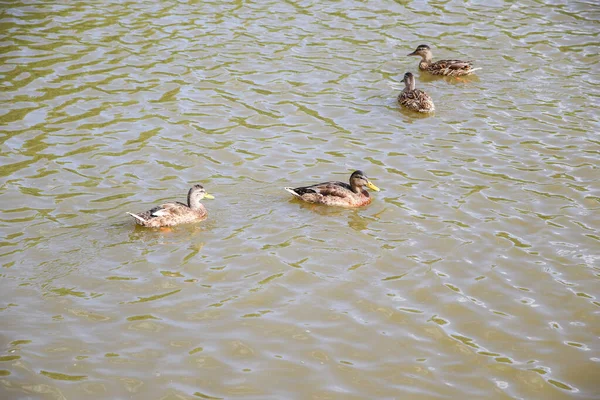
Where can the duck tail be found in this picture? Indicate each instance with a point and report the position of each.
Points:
(475, 69)
(292, 191)
(137, 217)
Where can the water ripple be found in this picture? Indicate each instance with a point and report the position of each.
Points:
(479, 252)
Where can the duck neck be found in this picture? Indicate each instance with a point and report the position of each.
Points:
(425, 60)
(356, 188)
(194, 202)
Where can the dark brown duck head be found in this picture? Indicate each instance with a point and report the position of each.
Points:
(409, 81)
(423, 51)
(358, 179)
(196, 194)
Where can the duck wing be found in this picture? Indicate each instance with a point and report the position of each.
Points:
(452, 64)
(170, 209)
(335, 189)
(416, 100)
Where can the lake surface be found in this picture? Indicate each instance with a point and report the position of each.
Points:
(473, 274)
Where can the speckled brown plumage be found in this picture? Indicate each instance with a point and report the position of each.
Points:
(336, 193)
(414, 99)
(442, 67)
(175, 213)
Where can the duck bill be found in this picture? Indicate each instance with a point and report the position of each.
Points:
(209, 196)
(414, 53)
(371, 186)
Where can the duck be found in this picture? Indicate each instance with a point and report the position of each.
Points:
(414, 99)
(336, 193)
(175, 213)
(442, 67)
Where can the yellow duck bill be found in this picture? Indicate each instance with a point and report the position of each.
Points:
(371, 186)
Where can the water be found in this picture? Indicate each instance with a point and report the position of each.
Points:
(473, 274)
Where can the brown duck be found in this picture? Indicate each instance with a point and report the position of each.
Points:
(175, 213)
(442, 67)
(337, 193)
(414, 99)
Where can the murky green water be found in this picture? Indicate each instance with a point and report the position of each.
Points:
(473, 274)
